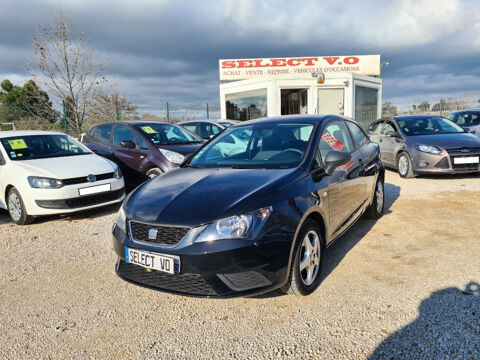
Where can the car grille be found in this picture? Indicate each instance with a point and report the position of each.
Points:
(165, 235)
(83, 179)
(458, 153)
(191, 284)
(83, 201)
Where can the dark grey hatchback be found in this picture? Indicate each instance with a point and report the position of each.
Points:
(142, 149)
(254, 218)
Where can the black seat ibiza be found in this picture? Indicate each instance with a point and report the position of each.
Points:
(253, 210)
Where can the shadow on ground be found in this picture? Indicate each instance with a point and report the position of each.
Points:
(448, 327)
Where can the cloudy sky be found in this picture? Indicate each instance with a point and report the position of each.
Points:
(168, 50)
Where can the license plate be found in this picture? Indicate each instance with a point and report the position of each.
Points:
(466, 160)
(94, 189)
(150, 260)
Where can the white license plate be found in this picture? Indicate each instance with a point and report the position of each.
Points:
(466, 160)
(94, 189)
(150, 260)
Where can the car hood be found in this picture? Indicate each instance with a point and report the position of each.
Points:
(447, 141)
(182, 149)
(67, 167)
(191, 197)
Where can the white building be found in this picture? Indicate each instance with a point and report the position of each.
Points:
(252, 88)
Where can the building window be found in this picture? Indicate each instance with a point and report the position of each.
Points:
(366, 101)
(246, 105)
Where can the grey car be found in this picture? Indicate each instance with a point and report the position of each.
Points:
(425, 144)
(206, 129)
(468, 119)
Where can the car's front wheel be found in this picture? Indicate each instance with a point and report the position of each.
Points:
(16, 208)
(404, 166)
(306, 261)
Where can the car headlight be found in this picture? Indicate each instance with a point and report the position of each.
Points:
(172, 156)
(117, 173)
(122, 220)
(429, 149)
(234, 227)
(44, 183)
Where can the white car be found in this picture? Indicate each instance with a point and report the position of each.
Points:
(45, 173)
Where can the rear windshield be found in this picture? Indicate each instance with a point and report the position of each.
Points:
(42, 147)
(167, 134)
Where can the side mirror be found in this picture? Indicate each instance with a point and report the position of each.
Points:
(127, 144)
(391, 133)
(466, 129)
(335, 159)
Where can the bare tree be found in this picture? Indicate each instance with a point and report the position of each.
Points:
(105, 106)
(66, 67)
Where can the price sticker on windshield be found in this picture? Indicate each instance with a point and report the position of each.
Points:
(149, 130)
(17, 144)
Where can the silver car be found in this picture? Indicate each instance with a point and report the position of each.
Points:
(468, 119)
(425, 144)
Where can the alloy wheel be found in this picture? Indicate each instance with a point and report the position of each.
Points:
(403, 165)
(14, 207)
(379, 196)
(310, 258)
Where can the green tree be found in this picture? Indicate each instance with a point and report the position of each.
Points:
(27, 102)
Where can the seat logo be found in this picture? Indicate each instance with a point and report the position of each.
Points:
(152, 234)
(91, 178)
(465, 150)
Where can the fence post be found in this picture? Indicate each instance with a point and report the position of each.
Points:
(116, 110)
(208, 113)
(65, 118)
(168, 113)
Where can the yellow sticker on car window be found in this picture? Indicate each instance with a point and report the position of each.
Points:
(148, 130)
(17, 144)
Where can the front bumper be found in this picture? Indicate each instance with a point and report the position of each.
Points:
(223, 268)
(444, 163)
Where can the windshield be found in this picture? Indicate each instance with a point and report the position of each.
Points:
(262, 145)
(167, 134)
(467, 118)
(42, 147)
(428, 126)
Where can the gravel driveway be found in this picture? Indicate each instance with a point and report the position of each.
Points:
(405, 287)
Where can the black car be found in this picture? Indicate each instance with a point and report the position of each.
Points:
(142, 149)
(259, 219)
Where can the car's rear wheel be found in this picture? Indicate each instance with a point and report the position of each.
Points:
(306, 261)
(154, 172)
(404, 166)
(375, 210)
(16, 208)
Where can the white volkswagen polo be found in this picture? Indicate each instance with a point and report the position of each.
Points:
(44, 173)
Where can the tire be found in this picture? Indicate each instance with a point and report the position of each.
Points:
(153, 172)
(375, 210)
(404, 166)
(16, 208)
(299, 281)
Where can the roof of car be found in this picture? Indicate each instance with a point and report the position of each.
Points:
(416, 116)
(14, 133)
(132, 122)
(294, 118)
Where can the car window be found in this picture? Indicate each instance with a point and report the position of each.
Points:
(207, 130)
(122, 133)
(166, 134)
(335, 136)
(376, 127)
(103, 134)
(191, 127)
(358, 136)
(141, 143)
(434, 125)
(388, 127)
(468, 119)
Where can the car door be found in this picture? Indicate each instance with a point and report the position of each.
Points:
(100, 141)
(390, 139)
(129, 159)
(207, 130)
(346, 190)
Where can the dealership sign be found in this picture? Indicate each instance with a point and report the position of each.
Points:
(239, 69)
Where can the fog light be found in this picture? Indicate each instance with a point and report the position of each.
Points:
(422, 163)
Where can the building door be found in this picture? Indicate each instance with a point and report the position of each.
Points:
(330, 101)
(294, 101)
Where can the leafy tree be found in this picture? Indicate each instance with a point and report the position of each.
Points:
(27, 102)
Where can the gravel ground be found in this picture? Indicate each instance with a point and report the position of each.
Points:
(405, 287)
